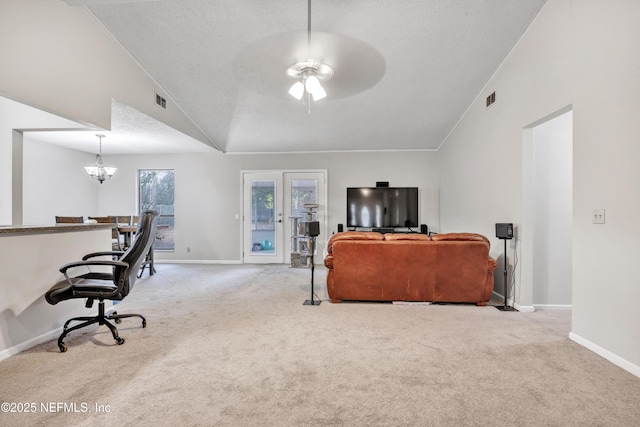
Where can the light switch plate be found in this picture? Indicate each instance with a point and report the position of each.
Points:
(598, 216)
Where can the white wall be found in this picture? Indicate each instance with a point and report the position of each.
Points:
(552, 219)
(28, 268)
(44, 38)
(585, 54)
(208, 191)
(55, 183)
(606, 285)
(14, 115)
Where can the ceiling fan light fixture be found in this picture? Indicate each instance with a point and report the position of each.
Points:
(297, 90)
(311, 74)
(312, 84)
(319, 93)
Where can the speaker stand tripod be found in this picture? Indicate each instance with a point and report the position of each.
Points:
(506, 306)
(312, 248)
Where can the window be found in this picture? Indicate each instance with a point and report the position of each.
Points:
(156, 191)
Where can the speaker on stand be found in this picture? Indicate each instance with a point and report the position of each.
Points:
(504, 231)
(312, 230)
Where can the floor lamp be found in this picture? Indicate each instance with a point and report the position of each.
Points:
(504, 231)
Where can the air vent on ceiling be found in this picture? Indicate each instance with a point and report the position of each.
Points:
(491, 99)
(161, 101)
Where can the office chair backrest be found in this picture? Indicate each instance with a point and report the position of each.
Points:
(137, 253)
(69, 219)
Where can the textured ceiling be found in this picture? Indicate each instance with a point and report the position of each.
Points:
(131, 133)
(405, 71)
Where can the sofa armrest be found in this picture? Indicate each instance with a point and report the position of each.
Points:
(488, 290)
(492, 265)
(328, 261)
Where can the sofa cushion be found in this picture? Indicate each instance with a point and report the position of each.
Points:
(459, 237)
(406, 236)
(353, 235)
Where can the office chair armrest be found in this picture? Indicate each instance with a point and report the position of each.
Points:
(104, 253)
(66, 267)
(112, 263)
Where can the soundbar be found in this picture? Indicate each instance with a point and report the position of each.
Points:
(383, 230)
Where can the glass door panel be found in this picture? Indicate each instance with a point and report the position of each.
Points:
(263, 224)
(304, 188)
(263, 242)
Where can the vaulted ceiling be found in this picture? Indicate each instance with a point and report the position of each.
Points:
(405, 70)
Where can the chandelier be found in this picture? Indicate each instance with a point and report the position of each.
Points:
(100, 171)
(310, 74)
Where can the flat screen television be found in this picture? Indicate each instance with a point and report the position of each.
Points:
(382, 207)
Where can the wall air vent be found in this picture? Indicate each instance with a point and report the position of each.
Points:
(161, 101)
(491, 99)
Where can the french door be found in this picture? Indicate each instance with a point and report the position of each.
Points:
(271, 199)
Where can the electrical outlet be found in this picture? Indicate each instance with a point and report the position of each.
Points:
(598, 216)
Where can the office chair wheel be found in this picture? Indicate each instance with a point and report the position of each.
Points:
(118, 321)
(63, 348)
(120, 341)
(144, 323)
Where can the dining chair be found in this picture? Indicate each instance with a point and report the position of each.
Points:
(123, 219)
(69, 219)
(115, 234)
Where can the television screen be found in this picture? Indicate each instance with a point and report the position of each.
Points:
(382, 207)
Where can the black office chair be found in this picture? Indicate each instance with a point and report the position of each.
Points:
(105, 286)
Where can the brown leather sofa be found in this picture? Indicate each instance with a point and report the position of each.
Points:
(370, 266)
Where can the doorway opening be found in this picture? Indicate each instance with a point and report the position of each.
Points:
(548, 212)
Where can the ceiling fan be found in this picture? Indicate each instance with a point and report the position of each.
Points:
(309, 74)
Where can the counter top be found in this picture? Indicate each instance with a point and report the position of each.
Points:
(43, 229)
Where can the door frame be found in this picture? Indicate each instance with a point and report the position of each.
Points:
(322, 215)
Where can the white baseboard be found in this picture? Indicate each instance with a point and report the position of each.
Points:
(524, 308)
(611, 357)
(8, 352)
(552, 307)
(198, 261)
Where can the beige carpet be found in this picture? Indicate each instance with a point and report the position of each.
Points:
(234, 346)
